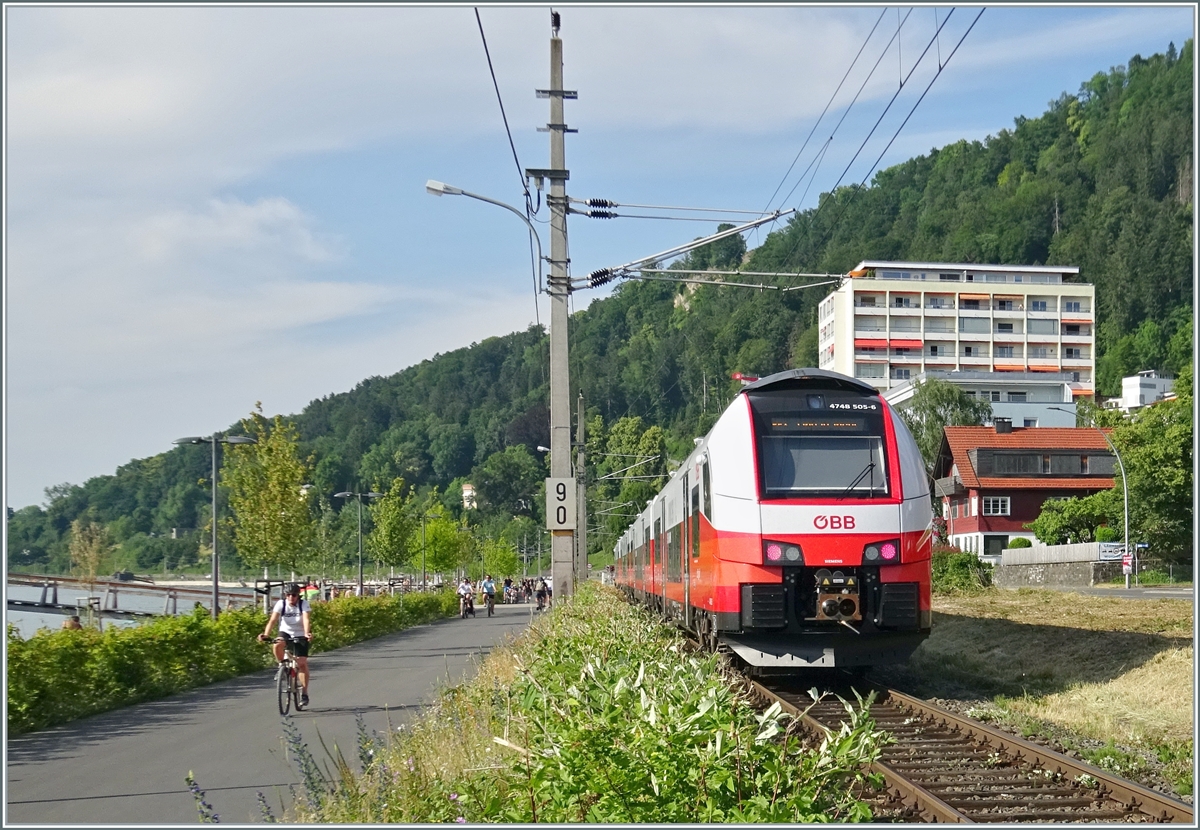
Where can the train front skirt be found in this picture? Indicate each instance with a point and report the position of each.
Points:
(823, 651)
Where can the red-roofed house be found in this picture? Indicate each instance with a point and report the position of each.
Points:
(993, 481)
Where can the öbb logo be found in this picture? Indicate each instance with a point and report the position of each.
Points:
(834, 522)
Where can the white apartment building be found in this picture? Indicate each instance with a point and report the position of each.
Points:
(1026, 399)
(891, 321)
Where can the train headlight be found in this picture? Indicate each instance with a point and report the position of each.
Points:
(830, 608)
(882, 553)
(782, 553)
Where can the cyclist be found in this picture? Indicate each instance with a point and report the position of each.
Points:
(292, 614)
(541, 594)
(489, 593)
(466, 602)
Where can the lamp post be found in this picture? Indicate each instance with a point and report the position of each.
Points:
(435, 188)
(360, 496)
(216, 438)
(1124, 483)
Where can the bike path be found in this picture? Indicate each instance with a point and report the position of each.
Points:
(128, 766)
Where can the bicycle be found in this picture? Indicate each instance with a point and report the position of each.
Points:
(490, 599)
(287, 681)
(466, 605)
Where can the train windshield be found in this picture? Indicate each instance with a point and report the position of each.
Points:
(820, 443)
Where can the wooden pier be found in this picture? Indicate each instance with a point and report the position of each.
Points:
(106, 604)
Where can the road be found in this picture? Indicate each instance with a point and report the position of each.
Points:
(128, 766)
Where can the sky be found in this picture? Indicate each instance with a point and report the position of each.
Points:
(212, 206)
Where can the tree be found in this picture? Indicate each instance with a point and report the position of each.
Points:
(444, 542)
(396, 525)
(89, 543)
(935, 405)
(1156, 446)
(272, 522)
(1074, 520)
(500, 558)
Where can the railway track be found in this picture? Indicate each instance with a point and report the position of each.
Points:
(945, 768)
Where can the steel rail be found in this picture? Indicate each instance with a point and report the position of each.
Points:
(1131, 795)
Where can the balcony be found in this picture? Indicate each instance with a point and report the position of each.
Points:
(983, 361)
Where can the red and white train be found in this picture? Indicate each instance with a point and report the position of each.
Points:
(797, 533)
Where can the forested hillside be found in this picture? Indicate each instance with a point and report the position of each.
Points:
(1102, 180)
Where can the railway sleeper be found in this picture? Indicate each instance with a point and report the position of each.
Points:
(968, 804)
(1049, 816)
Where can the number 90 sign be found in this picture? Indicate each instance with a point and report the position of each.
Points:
(560, 503)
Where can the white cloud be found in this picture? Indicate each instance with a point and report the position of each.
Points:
(233, 225)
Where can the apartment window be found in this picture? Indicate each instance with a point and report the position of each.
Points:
(936, 302)
(1004, 328)
(972, 304)
(950, 277)
(1070, 329)
(901, 374)
(1016, 397)
(954, 509)
(868, 302)
(1004, 351)
(1004, 305)
(868, 370)
(1083, 464)
(993, 395)
(933, 351)
(1073, 305)
(900, 352)
(1073, 353)
(1046, 464)
(1043, 326)
(1031, 422)
(902, 302)
(1039, 351)
(1075, 377)
(1038, 305)
(996, 505)
(973, 325)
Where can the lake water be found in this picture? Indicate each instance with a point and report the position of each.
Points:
(28, 622)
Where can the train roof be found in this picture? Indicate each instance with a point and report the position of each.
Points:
(808, 378)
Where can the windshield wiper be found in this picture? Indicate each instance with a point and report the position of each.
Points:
(867, 469)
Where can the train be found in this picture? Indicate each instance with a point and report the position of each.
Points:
(796, 535)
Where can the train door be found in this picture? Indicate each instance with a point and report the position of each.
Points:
(685, 561)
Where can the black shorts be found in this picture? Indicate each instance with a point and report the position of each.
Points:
(299, 644)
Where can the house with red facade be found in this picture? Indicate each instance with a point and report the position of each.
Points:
(992, 481)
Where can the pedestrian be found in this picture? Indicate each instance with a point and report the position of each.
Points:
(310, 593)
(72, 624)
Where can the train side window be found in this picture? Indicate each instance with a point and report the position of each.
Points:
(707, 506)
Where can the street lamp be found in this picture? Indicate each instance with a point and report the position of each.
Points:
(1124, 484)
(443, 189)
(216, 438)
(360, 496)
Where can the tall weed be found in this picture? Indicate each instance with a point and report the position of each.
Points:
(599, 715)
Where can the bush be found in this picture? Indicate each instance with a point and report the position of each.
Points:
(58, 676)
(1104, 533)
(1020, 542)
(957, 572)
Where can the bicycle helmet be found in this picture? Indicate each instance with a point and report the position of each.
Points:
(293, 589)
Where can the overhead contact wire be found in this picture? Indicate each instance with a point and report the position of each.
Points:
(512, 145)
(828, 104)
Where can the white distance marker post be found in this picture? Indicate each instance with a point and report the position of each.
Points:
(560, 503)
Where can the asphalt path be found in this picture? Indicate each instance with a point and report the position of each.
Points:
(128, 766)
